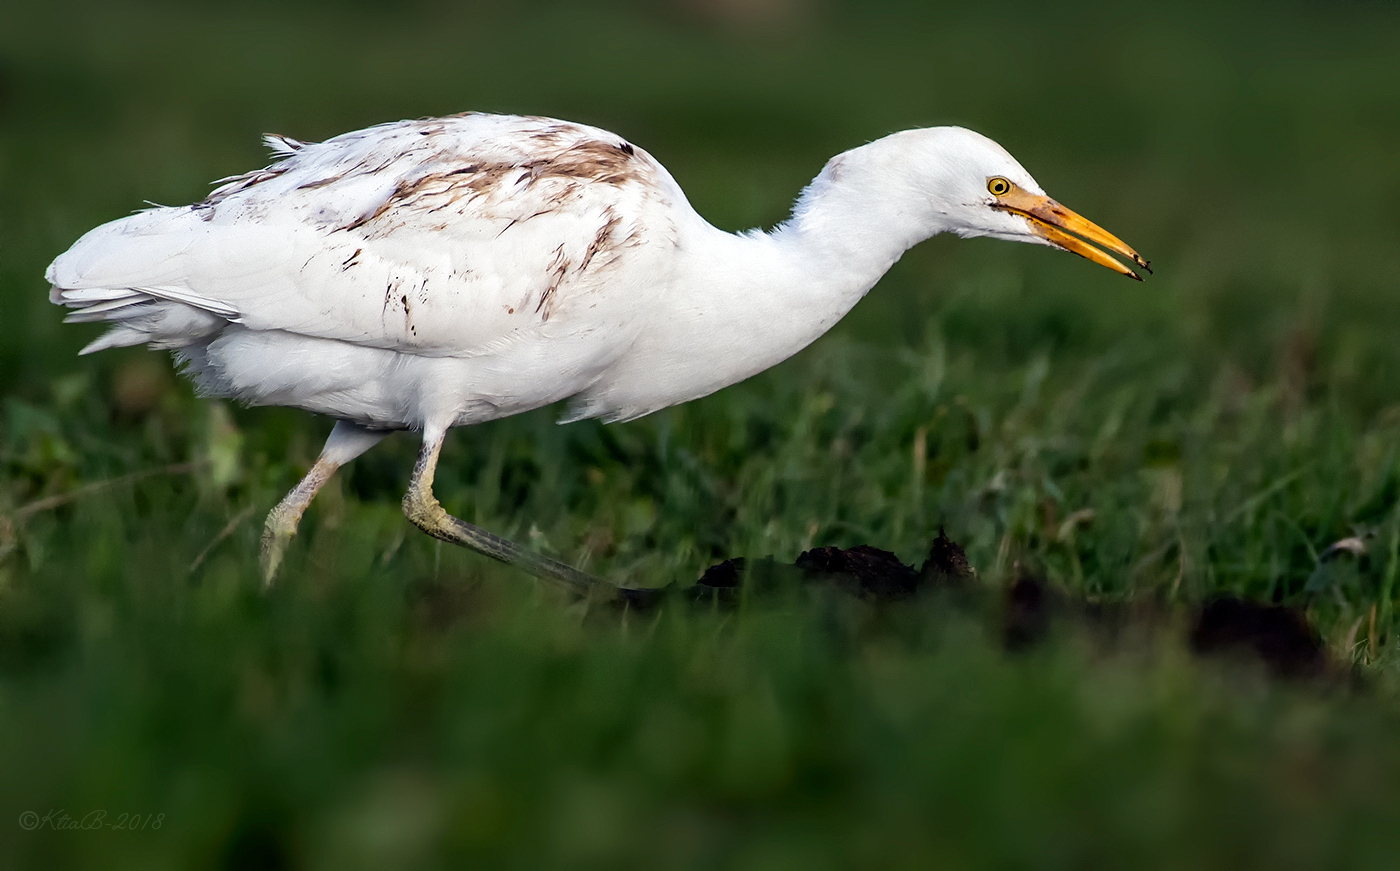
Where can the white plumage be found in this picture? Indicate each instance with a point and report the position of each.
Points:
(442, 272)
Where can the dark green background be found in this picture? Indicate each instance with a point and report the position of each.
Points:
(397, 703)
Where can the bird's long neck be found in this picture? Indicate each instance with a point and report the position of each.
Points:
(742, 303)
(786, 287)
(758, 298)
(850, 231)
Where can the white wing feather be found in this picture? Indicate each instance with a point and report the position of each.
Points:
(445, 237)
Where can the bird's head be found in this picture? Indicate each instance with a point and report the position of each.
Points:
(965, 183)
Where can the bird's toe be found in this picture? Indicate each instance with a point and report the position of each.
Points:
(277, 534)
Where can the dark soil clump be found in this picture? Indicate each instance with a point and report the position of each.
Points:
(1027, 611)
(947, 566)
(1279, 636)
(721, 582)
(862, 570)
(1029, 608)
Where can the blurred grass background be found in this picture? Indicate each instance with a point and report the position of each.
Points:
(395, 703)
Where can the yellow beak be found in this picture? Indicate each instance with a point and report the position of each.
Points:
(1054, 223)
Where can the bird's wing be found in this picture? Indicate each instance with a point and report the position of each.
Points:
(441, 237)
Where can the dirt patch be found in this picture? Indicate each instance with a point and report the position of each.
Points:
(1280, 637)
(862, 571)
(1026, 609)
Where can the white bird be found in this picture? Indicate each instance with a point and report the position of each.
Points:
(427, 274)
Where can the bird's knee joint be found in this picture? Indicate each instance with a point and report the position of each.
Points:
(421, 510)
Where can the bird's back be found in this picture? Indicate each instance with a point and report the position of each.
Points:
(473, 236)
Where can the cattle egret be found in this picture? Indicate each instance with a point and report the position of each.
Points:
(427, 274)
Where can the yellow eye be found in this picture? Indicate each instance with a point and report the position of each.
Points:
(999, 186)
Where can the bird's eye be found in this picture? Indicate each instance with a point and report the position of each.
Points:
(999, 186)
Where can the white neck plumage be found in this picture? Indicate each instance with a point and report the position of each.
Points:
(786, 287)
(757, 298)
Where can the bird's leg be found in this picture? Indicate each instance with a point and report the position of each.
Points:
(423, 509)
(347, 441)
(282, 521)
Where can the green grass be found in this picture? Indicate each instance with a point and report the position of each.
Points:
(399, 703)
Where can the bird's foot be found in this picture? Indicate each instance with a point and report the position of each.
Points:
(426, 513)
(277, 534)
(282, 521)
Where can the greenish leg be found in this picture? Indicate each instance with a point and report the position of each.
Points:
(283, 520)
(423, 509)
(346, 442)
